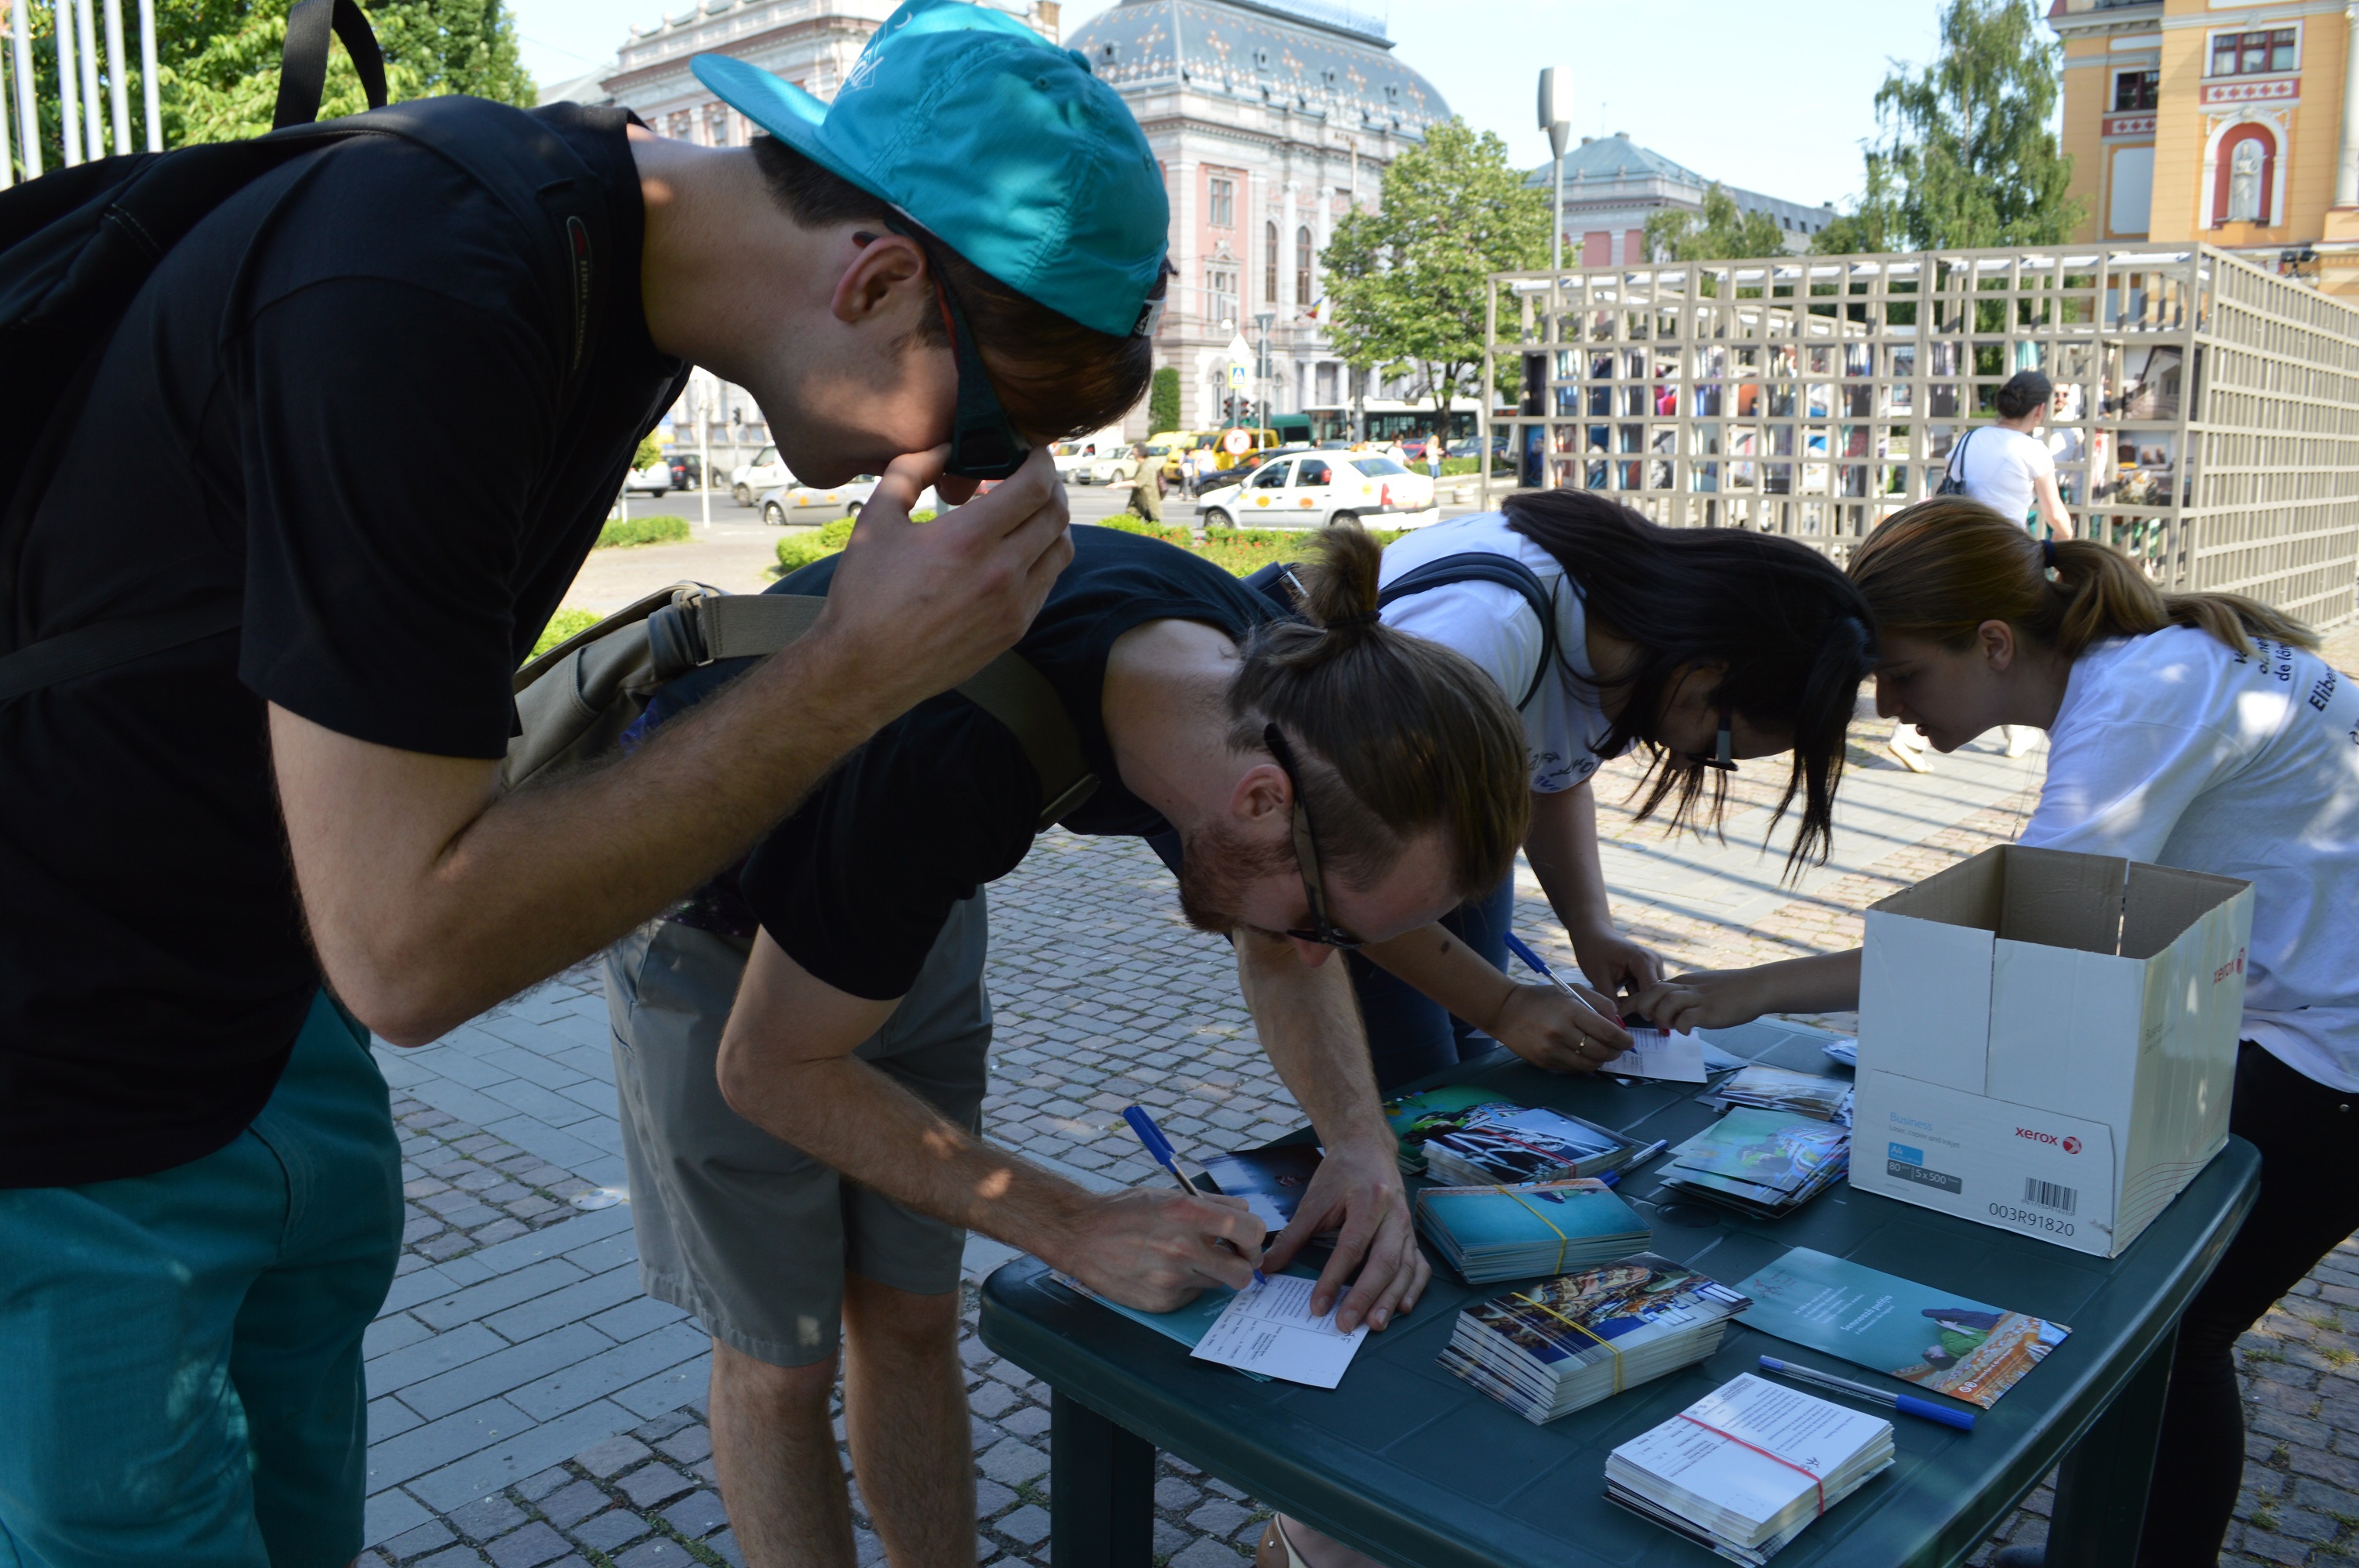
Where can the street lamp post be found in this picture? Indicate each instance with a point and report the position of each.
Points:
(1261, 376)
(1556, 119)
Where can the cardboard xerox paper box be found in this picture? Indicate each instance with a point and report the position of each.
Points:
(2048, 1041)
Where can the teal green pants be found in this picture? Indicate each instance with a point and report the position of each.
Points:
(180, 1354)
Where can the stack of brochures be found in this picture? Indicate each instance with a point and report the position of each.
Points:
(1764, 1162)
(1538, 1228)
(1567, 1343)
(1512, 1144)
(1418, 1117)
(1747, 1468)
(1774, 1089)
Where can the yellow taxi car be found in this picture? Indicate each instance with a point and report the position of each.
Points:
(1315, 489)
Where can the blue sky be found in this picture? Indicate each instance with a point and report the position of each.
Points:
(1775, 98)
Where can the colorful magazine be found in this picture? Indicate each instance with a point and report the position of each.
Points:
(1766, 1162)
(1541, 1227)
(1936, 1339)
(1512, 1143)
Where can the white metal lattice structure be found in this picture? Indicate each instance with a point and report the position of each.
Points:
(2206, 416)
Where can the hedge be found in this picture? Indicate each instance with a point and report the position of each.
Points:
(1241, 551)
(561, 625)
(799, 550)
(643, 531)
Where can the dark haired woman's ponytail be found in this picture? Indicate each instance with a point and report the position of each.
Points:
(1943, 567)
(1399, 736)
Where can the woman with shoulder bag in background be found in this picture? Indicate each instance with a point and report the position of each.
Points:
(2196, 731)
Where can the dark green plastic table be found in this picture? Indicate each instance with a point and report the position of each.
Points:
(1417, 1468)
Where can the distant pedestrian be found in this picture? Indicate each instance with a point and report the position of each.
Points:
(1433, 457)
(1146, 488)
(2009, 469)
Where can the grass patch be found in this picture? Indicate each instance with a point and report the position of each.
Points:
(2338, 1357)
(561, 625)
(643, 531)
(1241, 551)
(2264, 1355)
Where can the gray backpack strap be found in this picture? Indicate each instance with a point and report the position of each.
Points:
(575, 701)
(743, 625)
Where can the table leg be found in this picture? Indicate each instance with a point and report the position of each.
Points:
(1100, 1490)
(2102, 1489)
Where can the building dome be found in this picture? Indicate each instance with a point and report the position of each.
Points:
(1305, 57)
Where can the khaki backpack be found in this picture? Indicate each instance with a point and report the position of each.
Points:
(574, 701)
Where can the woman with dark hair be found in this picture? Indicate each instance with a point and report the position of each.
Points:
(2197, 731)
(1705, 646)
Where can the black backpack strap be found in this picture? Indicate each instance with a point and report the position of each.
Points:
(303, 67)
(107, 644)
(1483, 566)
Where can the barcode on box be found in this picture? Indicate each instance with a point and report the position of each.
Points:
(2048, 1195)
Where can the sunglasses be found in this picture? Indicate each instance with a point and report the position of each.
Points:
(1306, 854)
(983, 444)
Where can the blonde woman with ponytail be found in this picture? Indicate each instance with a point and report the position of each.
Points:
(2198, 730)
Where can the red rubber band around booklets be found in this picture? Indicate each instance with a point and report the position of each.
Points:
(1780, 1458)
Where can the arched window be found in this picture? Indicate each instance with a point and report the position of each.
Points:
(2245, 179)
(1269, 263)
(1302, 296)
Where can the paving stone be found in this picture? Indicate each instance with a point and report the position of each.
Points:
(572, 1503)
(487, 1518)
(533, 1488)
(416, 1542)
(696, 1515)
(611, 1457)
(610, 1531)
(1219, 1516)
(1207, 1554)
(1028, 1525)
(653, 1486)
(1012, 1462)
(990, 1497)
(530, 1547)
(724, 1546)
(660, 1553)
(689, 1445)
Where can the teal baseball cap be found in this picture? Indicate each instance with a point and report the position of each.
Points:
(1002, 144)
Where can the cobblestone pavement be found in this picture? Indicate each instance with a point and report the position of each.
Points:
(530, 1407)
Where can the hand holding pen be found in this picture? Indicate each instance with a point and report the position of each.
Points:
(1569, 1028)
(1158, 1147)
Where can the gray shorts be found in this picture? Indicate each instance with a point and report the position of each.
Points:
(749, 1234)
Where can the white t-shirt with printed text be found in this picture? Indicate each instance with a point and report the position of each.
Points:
(2175, 749)
(1496, 626)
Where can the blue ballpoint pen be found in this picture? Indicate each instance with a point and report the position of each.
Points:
(1159, 1149)
(1905, 1404)
(1533, 962)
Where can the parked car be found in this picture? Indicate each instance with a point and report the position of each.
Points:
(653, 480)
(1122, 467)
(766, 472)
(686, 471)
(1076, 460)
(779, 505)
(1321, 487)
(780, 502)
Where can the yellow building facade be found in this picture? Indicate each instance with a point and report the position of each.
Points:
(2234, 125)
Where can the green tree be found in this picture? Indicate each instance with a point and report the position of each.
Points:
(1163, 401)
(1409, 280)
(217, 64)
(1721, 232)
(1965, 156)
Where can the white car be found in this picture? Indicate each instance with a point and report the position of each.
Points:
(1120, 469)
(766, 472)
(1309, 489)
(653, 480)
(779, 505)
(1075, 460)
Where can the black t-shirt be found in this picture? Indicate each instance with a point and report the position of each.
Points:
(341, 398)
(857, 884)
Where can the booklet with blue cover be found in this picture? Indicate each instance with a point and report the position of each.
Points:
(1271, 1181)
(1763, 1161)
(1936, 1339)
(1539, 1227)
(1418, 1117)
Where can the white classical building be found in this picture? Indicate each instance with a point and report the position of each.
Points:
(1612, 185)
(1271, 120)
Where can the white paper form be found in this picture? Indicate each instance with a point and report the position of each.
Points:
(1654, 1054)
(1267, 1328)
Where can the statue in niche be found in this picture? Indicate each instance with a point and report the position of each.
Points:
(2245, 182)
